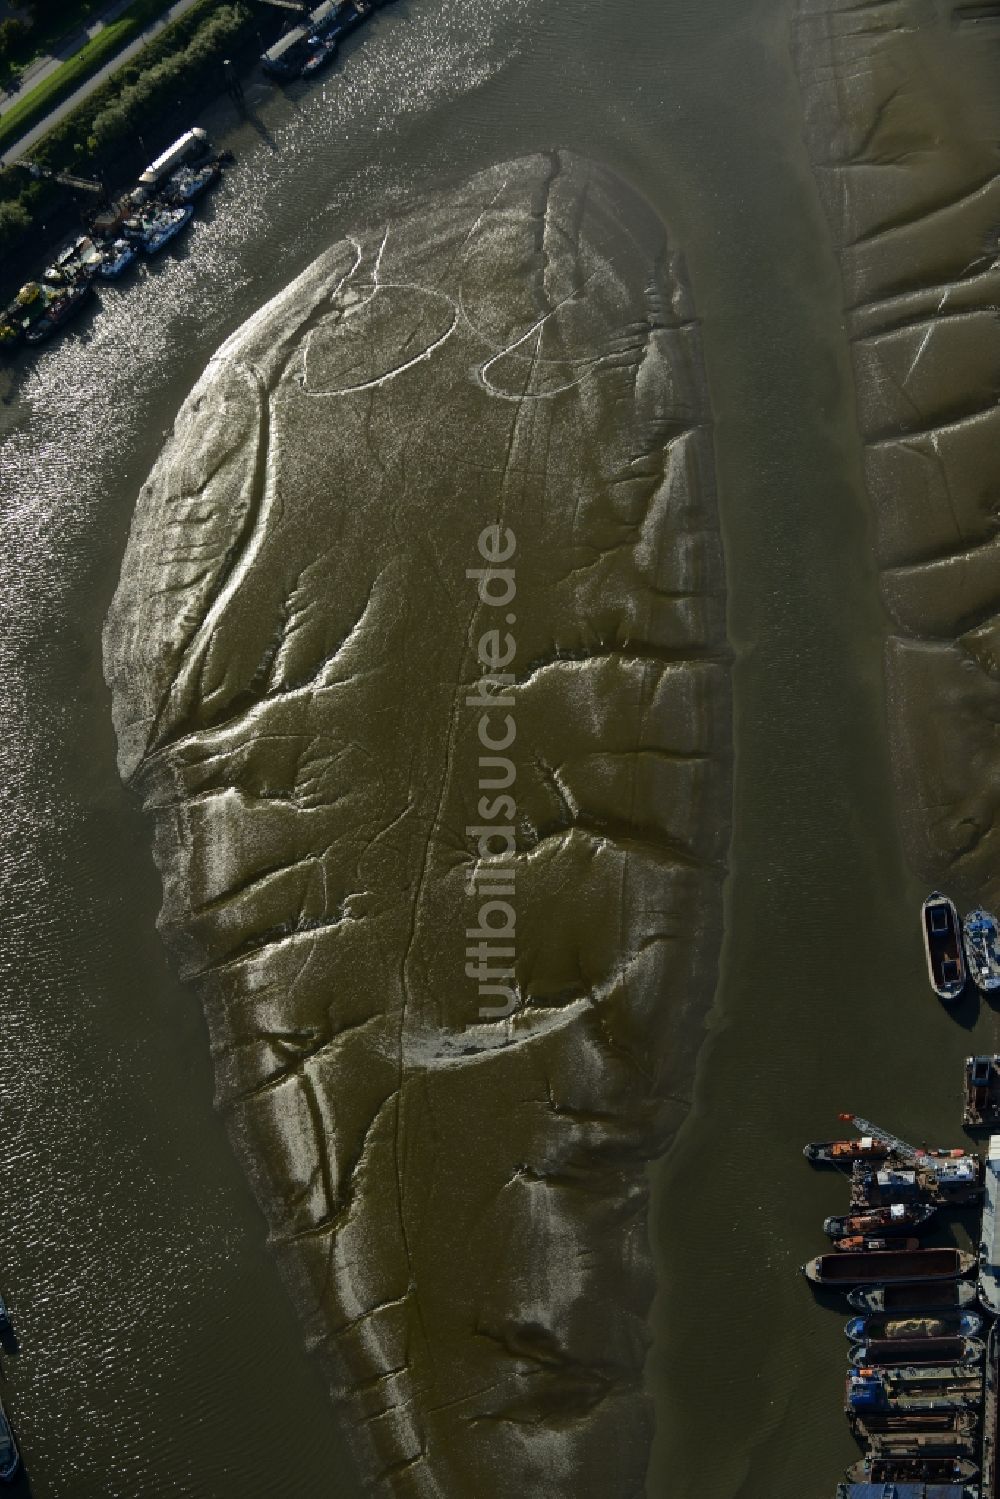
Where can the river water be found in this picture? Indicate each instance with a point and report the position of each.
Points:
(159, 1351)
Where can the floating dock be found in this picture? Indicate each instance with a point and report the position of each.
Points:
(981, 1103)
(989, 1238)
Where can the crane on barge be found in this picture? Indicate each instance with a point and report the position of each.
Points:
(950, 1167)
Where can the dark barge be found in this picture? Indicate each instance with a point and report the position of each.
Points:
(943, 946)
(888, 1266)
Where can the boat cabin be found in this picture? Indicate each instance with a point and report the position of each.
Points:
(188, 147)
(285, 58)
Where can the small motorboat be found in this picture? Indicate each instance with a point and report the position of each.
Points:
(886, 1352)
(981, 933)
(860, 1244)
(10, 1458)
(894, 1219)
(118, 256)
(944, 1325)
(943, 946)
(844, 1152)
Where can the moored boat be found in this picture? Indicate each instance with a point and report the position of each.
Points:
(322, 51)
(895, 1432)
(884, 1352)
(941, 1390)
(118, 256)
(188, 183)
(916, 1490)
(10, 1458)
(10, 334)
(843, 1152)
(59, 309)
(165, 227)
(943, 946)
(944, 1325)
(894, 1219)
(920, 1296)
(933, 1436)
(888, 1266)
(80, 261)
(981, 934)
(861, 1244)
(927, 1469)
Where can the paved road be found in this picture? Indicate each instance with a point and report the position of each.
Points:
(68, 46)
(23, 146)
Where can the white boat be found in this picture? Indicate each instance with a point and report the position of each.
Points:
(982, 948)
(117, 259)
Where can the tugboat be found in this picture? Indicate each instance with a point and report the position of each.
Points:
(943, 946)
(10, 1458)
(844, 1152)
(982, 948)
(936, 1297)
(946, 1324)
(894, 1219)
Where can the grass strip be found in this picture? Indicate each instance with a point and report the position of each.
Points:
(52, 90)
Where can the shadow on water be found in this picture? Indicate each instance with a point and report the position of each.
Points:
(966, 1012)
(254, 120)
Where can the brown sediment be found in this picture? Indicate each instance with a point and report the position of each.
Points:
(903, 127)
(457, 1197)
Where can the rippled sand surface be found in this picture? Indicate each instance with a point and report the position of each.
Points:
(902, 126)
(454, 1179)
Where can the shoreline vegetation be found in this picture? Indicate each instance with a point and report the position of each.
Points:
(103, 139)
(92, 56)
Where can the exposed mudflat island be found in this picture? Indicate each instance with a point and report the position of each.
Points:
(903, 126)
(418, 662)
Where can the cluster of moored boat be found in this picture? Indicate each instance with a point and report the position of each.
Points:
(308, 48)
(915, 1388)
(142, 223)
(959, 949)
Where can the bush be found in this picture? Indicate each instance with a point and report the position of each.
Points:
(12, 31)
(15, 220)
